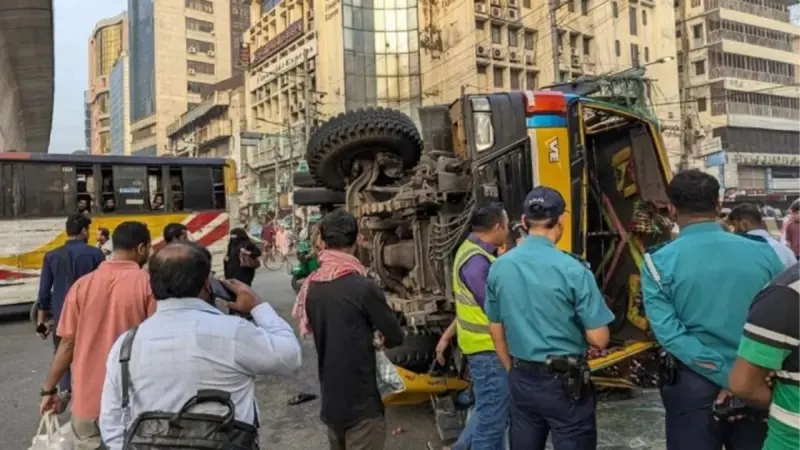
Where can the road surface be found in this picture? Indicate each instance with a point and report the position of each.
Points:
(634, 424)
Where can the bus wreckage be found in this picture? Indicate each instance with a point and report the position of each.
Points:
(414, 194)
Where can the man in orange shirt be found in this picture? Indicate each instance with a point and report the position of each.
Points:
(99, 307)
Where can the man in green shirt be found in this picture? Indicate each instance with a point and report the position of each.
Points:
(771, 343)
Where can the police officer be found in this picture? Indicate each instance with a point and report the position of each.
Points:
(487, 424)
(544, 305)
(697, 290)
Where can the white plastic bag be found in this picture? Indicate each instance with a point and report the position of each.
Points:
(51, 436)
(389, 381)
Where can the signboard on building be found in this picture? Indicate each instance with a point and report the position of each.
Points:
(275, 44)
(710, 145)
(764, 159)
(268, 73)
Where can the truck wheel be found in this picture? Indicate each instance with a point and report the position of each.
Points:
(304, 180)
(360, 133)
(297, 283)
(317, 196)
(417, 351)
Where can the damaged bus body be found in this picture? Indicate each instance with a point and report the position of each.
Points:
(414, 203)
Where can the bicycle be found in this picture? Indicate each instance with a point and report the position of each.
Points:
(274, 259)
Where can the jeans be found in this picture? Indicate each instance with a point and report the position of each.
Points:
(690, 423)
(539, 407)
(488, 421)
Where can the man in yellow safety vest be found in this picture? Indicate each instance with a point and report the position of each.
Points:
(487, 425)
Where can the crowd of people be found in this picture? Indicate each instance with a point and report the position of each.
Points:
(140, 341)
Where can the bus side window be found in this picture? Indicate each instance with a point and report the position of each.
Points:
(198, 192)
(218, 187)
(84, 188)
(8, 178)
(109, 200)
(130, 183)
(176, 183)
(155, 185)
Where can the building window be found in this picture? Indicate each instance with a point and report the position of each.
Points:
(585, 7)
(635, 55)
(195, 46)
(498, 77)
(701, 104)
(615, 10)
(695, 3)
(497, 35)
(644, 17)
(647, 54)
(512, 37)
(142, 60)
(515, 79)
(699, 67)
(108, 47)
(697, 31)
(199, 25)
(587, 46)
(617, 48)
(197, 88)
(633, 22)
(480, 24)
(526, 3)
(200, 5)
(570, 5)
(529, 40)
(200, 67)
(530, 81)
(482, 69)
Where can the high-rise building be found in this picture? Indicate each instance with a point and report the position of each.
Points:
(106, 45)
(119, 107)
(87, 122)
(177, 48)
(739, 63)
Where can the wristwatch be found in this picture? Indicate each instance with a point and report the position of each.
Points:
(49, 392)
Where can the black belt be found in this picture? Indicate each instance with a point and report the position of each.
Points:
(529, 366)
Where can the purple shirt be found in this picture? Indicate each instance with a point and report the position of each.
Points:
(476, 269)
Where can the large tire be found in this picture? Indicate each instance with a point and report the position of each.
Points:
(304, 180)
(317, 196)
(418, 350)
(360, 133)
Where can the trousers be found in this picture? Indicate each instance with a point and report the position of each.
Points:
(369, 434)
(487, 424)
(86, 434)
(690, 422)
(540, 408)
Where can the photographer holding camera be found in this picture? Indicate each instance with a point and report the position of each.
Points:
(188, 346)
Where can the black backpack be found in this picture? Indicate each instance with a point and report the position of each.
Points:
(159, 430)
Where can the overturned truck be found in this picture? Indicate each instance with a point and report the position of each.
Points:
(414, 194)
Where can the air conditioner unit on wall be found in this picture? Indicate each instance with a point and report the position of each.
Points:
(576, 61)
(513, 56)
(210, 53)
(495, 2)
(512, 15)
(480, 8)
(192, 50)
(191, 71)
(497, 12)
(529, 60)
(482, 51)
(498, 53)
(513, 3)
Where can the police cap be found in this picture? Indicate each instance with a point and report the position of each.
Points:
(544, 203)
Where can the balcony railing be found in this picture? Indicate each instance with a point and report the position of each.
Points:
(776, 112)
(213, 131)
(744, 74)
(719, 35)
(749, 8)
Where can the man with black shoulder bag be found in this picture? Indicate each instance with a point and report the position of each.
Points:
(185, 378)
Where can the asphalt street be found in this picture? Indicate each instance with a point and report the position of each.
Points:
(633, 424)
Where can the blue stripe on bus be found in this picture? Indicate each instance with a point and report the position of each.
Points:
(546, 121)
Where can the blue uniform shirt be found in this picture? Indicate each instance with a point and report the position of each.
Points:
(54, 283)
(708, 278)
(545, 300)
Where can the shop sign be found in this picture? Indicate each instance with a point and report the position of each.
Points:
(286, 36)
(764, 159)
(268, 73)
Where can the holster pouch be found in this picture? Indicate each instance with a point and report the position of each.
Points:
(667, 369)
(574, 374)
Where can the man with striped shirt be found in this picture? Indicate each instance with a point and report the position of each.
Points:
(771, 343)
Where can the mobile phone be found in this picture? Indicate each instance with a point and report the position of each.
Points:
(41, 329)
(731, 407)
(220, 291)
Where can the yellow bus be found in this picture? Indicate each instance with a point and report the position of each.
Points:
(38, 191)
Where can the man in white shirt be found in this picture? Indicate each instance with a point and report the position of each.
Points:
(189, 345)
(746, 218)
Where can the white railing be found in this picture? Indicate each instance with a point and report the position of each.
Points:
(749, 8)
(719, 35)
(776, 112)
(745, 74)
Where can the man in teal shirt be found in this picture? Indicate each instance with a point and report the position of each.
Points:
(543, 304)
(697, 291)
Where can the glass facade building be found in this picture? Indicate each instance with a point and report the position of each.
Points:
(381, 54)
(141, 45)
(116, 82)
(108, 48)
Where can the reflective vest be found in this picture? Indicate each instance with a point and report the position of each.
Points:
(472, 323)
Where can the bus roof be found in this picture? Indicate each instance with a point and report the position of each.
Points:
(109, 159)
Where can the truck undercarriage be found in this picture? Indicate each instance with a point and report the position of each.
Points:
(414, 205)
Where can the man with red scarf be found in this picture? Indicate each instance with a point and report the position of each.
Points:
(343, 308)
